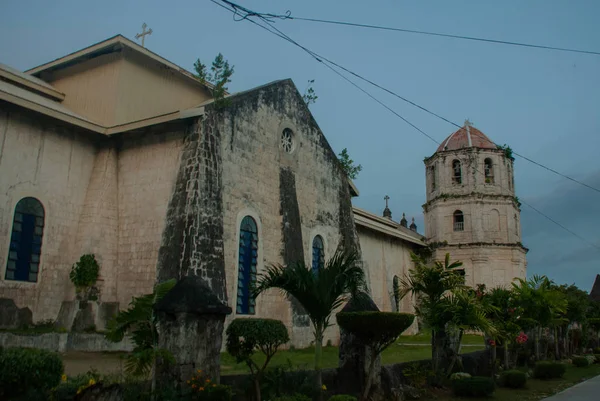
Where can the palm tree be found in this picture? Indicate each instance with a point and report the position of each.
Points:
(141, 322)
(320, 293)
(542, 303)
(431, 285)
(503, 311)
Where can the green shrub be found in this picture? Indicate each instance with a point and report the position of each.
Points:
(84, 273)
(549, 370)
(294, 397)
(460, 375)
(580, 361)
(476, 386)
(287, 380)
(69, 386)
(597, 349)
(245, 335)
(28, 374)
(342, 397)
(597, 356)
(513, 379)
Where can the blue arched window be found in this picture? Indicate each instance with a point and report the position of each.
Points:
(247, 266)
(26, 241)
(318, 254)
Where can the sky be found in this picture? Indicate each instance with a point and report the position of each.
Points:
(544, 104)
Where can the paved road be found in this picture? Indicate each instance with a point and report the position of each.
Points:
(589, 390)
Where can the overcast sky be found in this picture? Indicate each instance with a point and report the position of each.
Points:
(544, 104)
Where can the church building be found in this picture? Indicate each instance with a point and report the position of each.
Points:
(115, 151)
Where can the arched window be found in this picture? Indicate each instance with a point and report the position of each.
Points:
(247, 266)
(26, 241)
(432, 174)
(318, 254)
(489, 171)
(456, 172)
(459, 221)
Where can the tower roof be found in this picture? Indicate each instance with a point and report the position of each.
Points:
(466, 137)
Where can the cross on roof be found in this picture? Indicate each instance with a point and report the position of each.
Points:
(144, 33)
(386, 198)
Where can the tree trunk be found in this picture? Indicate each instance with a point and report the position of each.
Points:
(493, 351)
(456, 353)
(506, 356)
(538, 334)
(370, 375)
(556, 352)
(257, 388)
(318, 357)
(442, 354)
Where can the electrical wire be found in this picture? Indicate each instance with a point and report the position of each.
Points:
(280, 34)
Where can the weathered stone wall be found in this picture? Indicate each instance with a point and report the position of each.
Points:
(386, 257)
(148, 165)
(292, 196)
(42, 158)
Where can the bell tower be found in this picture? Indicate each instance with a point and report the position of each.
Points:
(471, 210)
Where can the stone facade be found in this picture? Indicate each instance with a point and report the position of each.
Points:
(471, 210)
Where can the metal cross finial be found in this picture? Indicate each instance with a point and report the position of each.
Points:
(468, 123)
(144, 33)
(386, 198)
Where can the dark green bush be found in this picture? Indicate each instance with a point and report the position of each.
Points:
(596, 350)
(84, 273)
(245, 335)
(513, 379)
(287, 380)
(476, 386)
(28, 374)
(549, 370)
(293, 397)
(597, 358)
(375, 327)
(342, 397)
(580, 361)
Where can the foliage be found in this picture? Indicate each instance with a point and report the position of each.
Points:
(508, 152)
(28, 374)
(459, 376)
(293, 397)
(348, 165)
(219, 76)
(476, 386)
(202, 388)
(320, 294)
(69, 387)
(376, 330)
(84, 273)
(342, 397)
(418, 374)
(246, 335)
(310, 97)
(286, 379)
(549, 370)
(581, 361)
(513, 379)
(141, 322)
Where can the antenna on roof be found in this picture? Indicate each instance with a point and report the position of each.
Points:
(144, 33)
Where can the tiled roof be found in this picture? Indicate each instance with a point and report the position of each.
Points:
(466, 137)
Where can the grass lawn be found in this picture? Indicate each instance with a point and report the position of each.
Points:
(304, 358)
(535, 389)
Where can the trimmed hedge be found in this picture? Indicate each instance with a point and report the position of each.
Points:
(342, 397)
(245, 335)
(549, 370)
(513, 379)
(375, 327)
(597, 358)
(28, 374)
(476, 386)
(581, 361)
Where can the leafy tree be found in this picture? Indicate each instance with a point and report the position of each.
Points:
(141, 322)
(246, 335)
(348, 165)
(377, 331)
(219, 76)
(319, 293)
(310, 97)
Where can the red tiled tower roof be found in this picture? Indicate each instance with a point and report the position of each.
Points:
(466, 137)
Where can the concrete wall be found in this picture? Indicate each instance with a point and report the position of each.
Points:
(53, 163)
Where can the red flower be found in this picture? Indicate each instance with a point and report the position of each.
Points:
(492, 343)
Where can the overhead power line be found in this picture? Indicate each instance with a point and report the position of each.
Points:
(246, 14)
(288, 16)
(235, 9)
